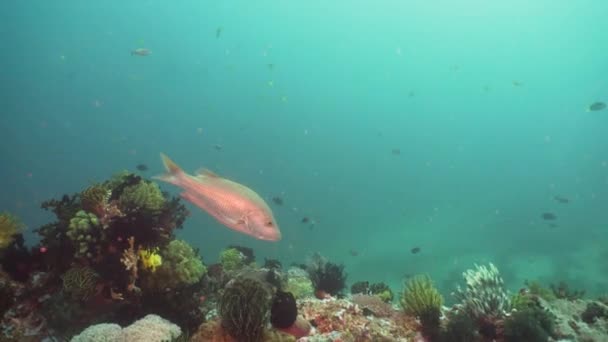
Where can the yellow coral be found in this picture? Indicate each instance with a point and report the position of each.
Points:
(150, 258)
(420, 297)
(9, 227)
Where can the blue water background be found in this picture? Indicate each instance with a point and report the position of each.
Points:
(486, 103)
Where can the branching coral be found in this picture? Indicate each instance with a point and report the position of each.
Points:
(129, 260)
(484, 295)
(83, 232)
(244, 309)
(421, 299)
(144, 196)
(79, 282)
(9, 227)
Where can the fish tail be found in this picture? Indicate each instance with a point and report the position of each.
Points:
(173, 170)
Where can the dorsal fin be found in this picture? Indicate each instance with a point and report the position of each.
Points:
(207, 173)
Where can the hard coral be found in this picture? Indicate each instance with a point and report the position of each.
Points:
(79, 282)
(9, 227)
(85, 232)
(244, 309)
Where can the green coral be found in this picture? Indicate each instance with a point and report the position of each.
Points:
(94, 198)
(180, 266)
(421, 299)
(539, 290)
(299, 284)
(82, 230)
(10, 226)
(79, 282)
(144, 196)
(244, 309)
(420, 296)
(232, 259)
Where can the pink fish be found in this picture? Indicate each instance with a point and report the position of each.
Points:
(233, 205)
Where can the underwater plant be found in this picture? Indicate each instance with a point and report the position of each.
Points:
(244, 309)
(460, 328)
(246, 252)
(326, 277)
(10, 226)
(421, 299)
(94, 198)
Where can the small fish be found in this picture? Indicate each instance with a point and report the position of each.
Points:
(561, 199)
(277, 200)
(396, 151)
(353, 252)
(548, 216)
(415, 250)
(232, 204)
(305, 220)
(140, 52)
(218, 32)
(517, 84)
(596, 106)
(270, 66)
(553, 225)
(142, 167)
(218, 147)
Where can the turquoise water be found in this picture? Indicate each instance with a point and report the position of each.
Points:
(485, 102)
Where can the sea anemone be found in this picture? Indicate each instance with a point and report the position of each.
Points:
(244, 309)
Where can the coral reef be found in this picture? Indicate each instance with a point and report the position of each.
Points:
(373, 304)
(79, 282)
(180, 266)
(327, 278)
(85, 233)
(232, 259)
(484, 294)
(283, 311)
(563, 291)
(298, 283)
(244, 309)
(421, 299)
(383, 291)
(151, 328)
(144, 197)
(9, 227)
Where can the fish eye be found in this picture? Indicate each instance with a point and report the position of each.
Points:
(269, 223)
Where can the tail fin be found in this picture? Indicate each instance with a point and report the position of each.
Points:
(173, 170)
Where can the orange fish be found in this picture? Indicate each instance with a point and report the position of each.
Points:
(233, 205)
